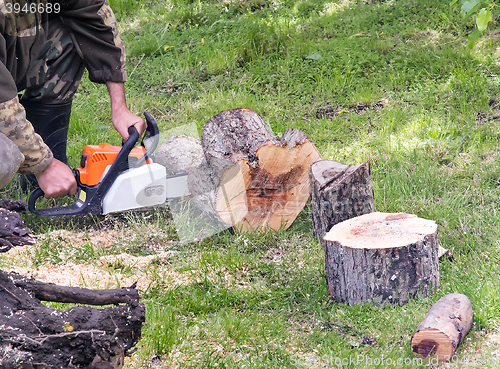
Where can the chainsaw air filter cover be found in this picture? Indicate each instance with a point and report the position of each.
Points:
(136, 188)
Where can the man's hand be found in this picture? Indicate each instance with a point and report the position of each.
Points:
(57, 180)
(121, 116)
(124, 118)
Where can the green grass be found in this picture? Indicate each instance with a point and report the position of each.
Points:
(388, 81)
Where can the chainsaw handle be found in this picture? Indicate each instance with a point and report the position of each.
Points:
(77, 208)
(63, 210)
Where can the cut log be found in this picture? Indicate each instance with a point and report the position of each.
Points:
(35, 336)
(443, 328)
(339, 192)
(184, 154)
(380, 258)
(259, 180)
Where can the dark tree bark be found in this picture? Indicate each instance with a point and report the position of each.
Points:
(259, 180)
(339, 192)
(381, 258)
(35, 336)
(443, 328)
(12, 231)
(53, 292)
(13, 205)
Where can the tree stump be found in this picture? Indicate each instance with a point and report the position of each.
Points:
(443, 328)
(259, 180)
(34, 336)
(339, 192)
(380, 257)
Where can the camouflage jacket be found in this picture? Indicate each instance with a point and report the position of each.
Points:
(23, 28)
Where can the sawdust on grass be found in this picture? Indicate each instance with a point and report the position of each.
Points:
(107, 271)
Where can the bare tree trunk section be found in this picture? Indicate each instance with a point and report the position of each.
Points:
(33, 336)
(382, 258)
(260, 181)
(53, 292)
(234, 135)
(339, 192)
(443, 328)
(179, 154)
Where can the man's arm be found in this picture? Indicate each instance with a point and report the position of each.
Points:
(54, 177)
(121, 116)
(93, 26)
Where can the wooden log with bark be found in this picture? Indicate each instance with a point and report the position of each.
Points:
(34, 336)
(443, 328)
(380, 258)
(259, 180)
(339, 192)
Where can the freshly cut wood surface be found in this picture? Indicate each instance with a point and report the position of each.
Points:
(381, 231)
(381, 257)
(443, 328)
(260, 181)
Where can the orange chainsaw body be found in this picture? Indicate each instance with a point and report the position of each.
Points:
(96, 158)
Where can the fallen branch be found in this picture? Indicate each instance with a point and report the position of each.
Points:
(52, 292)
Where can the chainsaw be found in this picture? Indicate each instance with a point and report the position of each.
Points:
(113, 179)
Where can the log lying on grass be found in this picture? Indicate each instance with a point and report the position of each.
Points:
(35, 336)
(339, 192)
(443, 328)
(381, 257)
(259, 180)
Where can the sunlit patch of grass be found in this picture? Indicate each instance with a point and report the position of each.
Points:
(331, 8)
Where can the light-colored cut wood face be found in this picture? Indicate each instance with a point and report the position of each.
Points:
(381, 231)
(429, 343)
(273, 193)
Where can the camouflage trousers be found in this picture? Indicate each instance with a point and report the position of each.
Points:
(53, 77)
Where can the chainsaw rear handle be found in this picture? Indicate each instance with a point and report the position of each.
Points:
(92, 204)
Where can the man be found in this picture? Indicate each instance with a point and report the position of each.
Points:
(45, 45)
